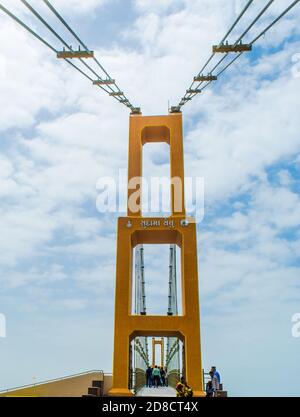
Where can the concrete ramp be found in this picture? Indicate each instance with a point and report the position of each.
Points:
(69, 386)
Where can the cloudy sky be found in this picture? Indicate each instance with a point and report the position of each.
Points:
(59, 135)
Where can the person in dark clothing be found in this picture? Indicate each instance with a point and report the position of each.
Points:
(166, 377)
(163, 376)
(209, 389)
(214, 383)
(149, 377)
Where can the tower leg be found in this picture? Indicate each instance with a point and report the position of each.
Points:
(121, 367)
(193, 368)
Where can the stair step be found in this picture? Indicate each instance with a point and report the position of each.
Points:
(97, 384)
(94, 391)
(221, 393)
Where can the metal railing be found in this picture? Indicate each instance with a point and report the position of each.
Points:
(206, 378)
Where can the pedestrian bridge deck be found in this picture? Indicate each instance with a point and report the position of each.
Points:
(157, 392)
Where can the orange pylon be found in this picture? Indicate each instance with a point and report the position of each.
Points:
(176, 229)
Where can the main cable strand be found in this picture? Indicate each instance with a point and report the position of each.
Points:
(42, 40)
(68, 27)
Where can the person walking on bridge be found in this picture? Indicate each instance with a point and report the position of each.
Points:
(156, 376)
(163, 377)
(166, 377)
(149, 377)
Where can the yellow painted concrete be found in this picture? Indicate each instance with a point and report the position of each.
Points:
(107, 383)
(145, 129)
(135, 229)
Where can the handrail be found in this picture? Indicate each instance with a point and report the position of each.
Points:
(52, 380)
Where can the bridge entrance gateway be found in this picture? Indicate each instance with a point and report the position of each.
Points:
(136, 231)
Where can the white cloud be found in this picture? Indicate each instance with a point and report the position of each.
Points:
(155, 5)
(66, 7)
(6, 168)
(77, 6)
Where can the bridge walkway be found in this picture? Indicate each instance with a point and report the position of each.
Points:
(157, 392)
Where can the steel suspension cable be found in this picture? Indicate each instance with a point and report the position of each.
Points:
(62, 40)
(224, 38)
(63, 21)
(118, 98)
(258, 37)
(251, 43)
(32, 32)
(275, 21)
(237, 20)
(261, 13)
(14, 17)
(190, 96)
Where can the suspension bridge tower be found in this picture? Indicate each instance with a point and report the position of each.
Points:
(135, 230)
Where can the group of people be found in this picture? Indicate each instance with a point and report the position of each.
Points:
(156, 377)
(213, 385)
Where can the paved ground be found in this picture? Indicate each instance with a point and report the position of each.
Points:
(157, 392)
